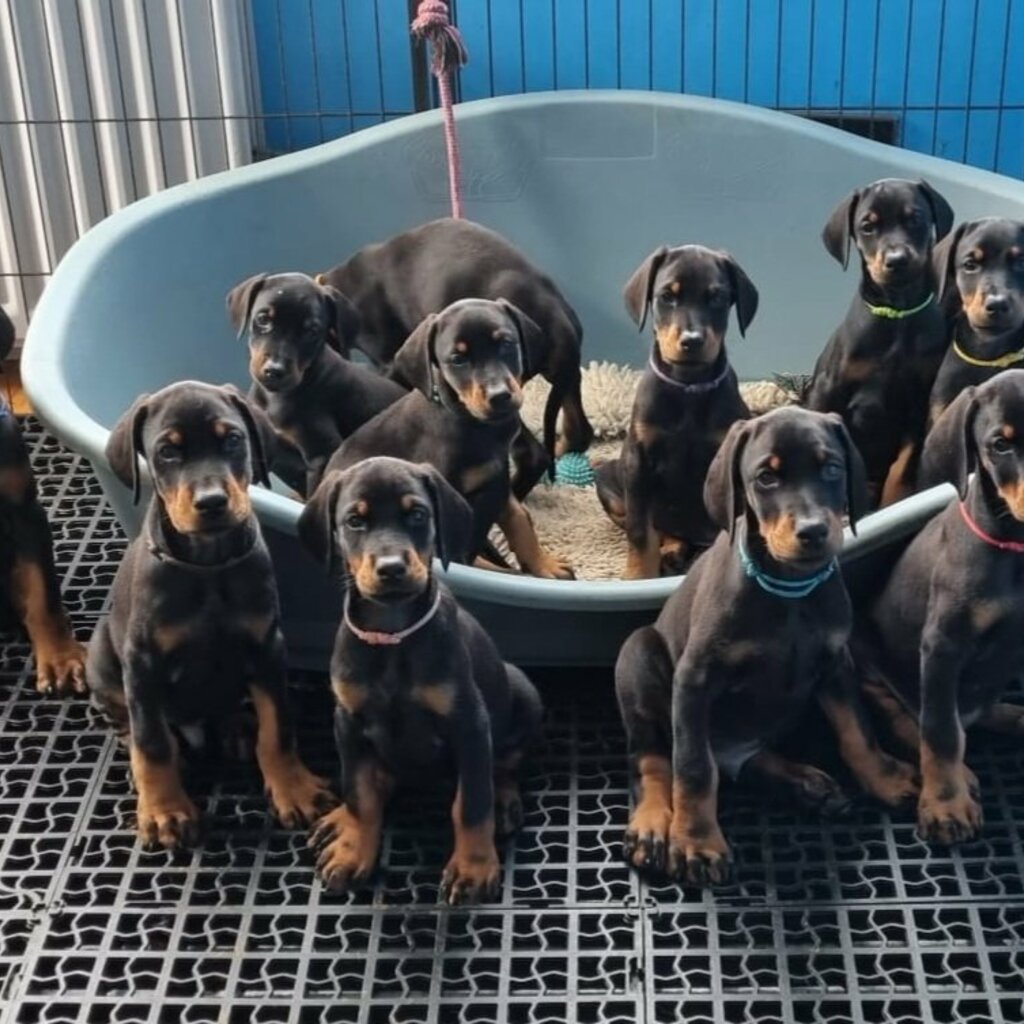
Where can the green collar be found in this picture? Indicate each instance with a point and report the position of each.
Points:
(891, 313)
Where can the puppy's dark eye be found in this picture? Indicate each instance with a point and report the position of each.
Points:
(261, 321)
(970, 264)
(867, 227)
(509, 345)
(718, 297)
(766, 478)
(167, 452)
(668, 297)
(458, 359)
(1001, 446)
(233, 442)
(913, 218)
(416, 516)
(354, 521)
(831, 471)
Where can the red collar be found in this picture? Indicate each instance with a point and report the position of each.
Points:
(1003, 545)
(377, 639)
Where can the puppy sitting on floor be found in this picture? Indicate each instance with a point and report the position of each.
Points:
(30, 591)
(314, 397)
(687, 399)
(980, 269)
(757, 629)
(878, 368)
(946, 635)
(418, 682)
(194, 626)
(466, 363)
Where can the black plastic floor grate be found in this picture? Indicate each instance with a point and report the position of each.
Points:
(847, 921)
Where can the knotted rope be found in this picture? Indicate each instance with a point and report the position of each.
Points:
(448, 52)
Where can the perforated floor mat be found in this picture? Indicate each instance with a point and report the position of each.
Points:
(848, 921)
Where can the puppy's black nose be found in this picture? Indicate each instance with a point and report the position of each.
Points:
(391, 567)
(272, 373)
(896, 259)
(996, 304)
(811, 531)
(210, 502)
(692, 340)
(499, 396)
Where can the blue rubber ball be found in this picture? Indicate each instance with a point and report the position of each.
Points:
(574, 469)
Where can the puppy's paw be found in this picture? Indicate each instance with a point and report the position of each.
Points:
(645, 844)
(818, 791)
(297, 796)
(699, 859)
(60, 667)
(346, 849)
(948, 822)
(551, 567)
(171, 822)
(471, 877)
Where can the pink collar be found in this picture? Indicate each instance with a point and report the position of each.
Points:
(1004, 545)
(375, 639)
(698, 388)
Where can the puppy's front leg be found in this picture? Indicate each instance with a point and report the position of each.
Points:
(643, 558)
(889, 780)
(297, 796)
(698, 853)
(948, 811)
(473, 873)
(165, 814)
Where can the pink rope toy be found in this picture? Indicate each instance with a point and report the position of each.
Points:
(447, 53)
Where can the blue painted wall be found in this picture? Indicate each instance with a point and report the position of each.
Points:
(950, 71)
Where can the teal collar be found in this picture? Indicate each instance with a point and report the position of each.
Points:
(891, 313)
(779, 587)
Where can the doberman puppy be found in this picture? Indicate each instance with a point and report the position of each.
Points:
(314, 397)
(194, 624)
(419, 684)
(946, 634)
(879, 366)
(980, 266)
(466, 363)
(757, 628)
(687, 399)
(397, 283)
(30, 592)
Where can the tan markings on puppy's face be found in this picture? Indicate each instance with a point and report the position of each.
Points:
(1012, 493)
(670, 343)
(780, 537)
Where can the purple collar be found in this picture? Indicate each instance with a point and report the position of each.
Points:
(700, 388)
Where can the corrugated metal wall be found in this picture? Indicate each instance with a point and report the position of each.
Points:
(103, 102)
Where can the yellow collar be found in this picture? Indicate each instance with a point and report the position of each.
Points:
(1000, 363)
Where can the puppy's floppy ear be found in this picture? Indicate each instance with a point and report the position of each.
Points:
(856, 475)
(944, 261)
(414, 362)
(942, 212)
(639, 288)
(124, 446)
(453, 518)
(532, 341)
(240, 300)
(744, 294)
(317, 526)
(949, 450)
(343, 319)
(838, 231)
(724, 493)
(262, 436)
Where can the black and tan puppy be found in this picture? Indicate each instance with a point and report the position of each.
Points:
(879, 366)
(946, 635)
(30, 591)
(194, 626)
(420, 686)
(314, 397)
(396, 284)
(757, 629)
(687, 399)
(980, 268)
(466, 363)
